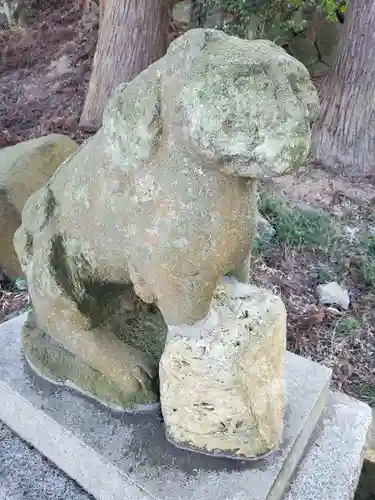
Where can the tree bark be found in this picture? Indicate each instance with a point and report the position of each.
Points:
(344, 135)
(133, 34)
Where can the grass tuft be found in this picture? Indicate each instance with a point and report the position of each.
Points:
(303, 229)
(348, 325)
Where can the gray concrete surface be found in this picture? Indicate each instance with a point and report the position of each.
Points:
(366, 487)
(332, 465)
(25, 474)
(329, 470)
(121, 457)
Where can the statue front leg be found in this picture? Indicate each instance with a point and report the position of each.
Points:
(242, 268)
(242, 271)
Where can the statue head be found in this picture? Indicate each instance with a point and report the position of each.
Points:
(246, 107)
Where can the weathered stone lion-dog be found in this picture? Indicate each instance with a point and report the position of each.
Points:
(162, 199)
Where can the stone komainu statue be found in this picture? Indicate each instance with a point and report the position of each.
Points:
(130, 237)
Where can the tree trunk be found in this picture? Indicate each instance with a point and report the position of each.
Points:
(133, 34)
(344, 135)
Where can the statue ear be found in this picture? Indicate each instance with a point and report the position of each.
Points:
(132, 121)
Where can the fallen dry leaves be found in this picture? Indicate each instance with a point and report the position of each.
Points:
(11, 300)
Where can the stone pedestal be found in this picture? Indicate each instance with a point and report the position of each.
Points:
(115, 456)
(366, 488)
(222, 385)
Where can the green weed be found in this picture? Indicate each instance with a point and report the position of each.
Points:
(306, 229)
(348, 325)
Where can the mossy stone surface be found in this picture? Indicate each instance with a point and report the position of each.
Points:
(50, 360)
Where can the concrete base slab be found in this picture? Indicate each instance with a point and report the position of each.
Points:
(366, 488)
(333, 462)
(25, 474)
(119, 456)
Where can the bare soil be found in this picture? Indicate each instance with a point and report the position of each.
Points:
(342, 340)
(45, 70)
(44, 74)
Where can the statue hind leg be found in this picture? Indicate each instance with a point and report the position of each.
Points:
(63, 337)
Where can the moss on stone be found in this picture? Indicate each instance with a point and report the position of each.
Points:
(111, 305)
(54, 362)
(136, 323)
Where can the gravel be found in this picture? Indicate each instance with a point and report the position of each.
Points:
(26, 475)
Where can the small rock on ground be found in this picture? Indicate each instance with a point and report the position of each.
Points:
(333, 294)
(26, 475)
